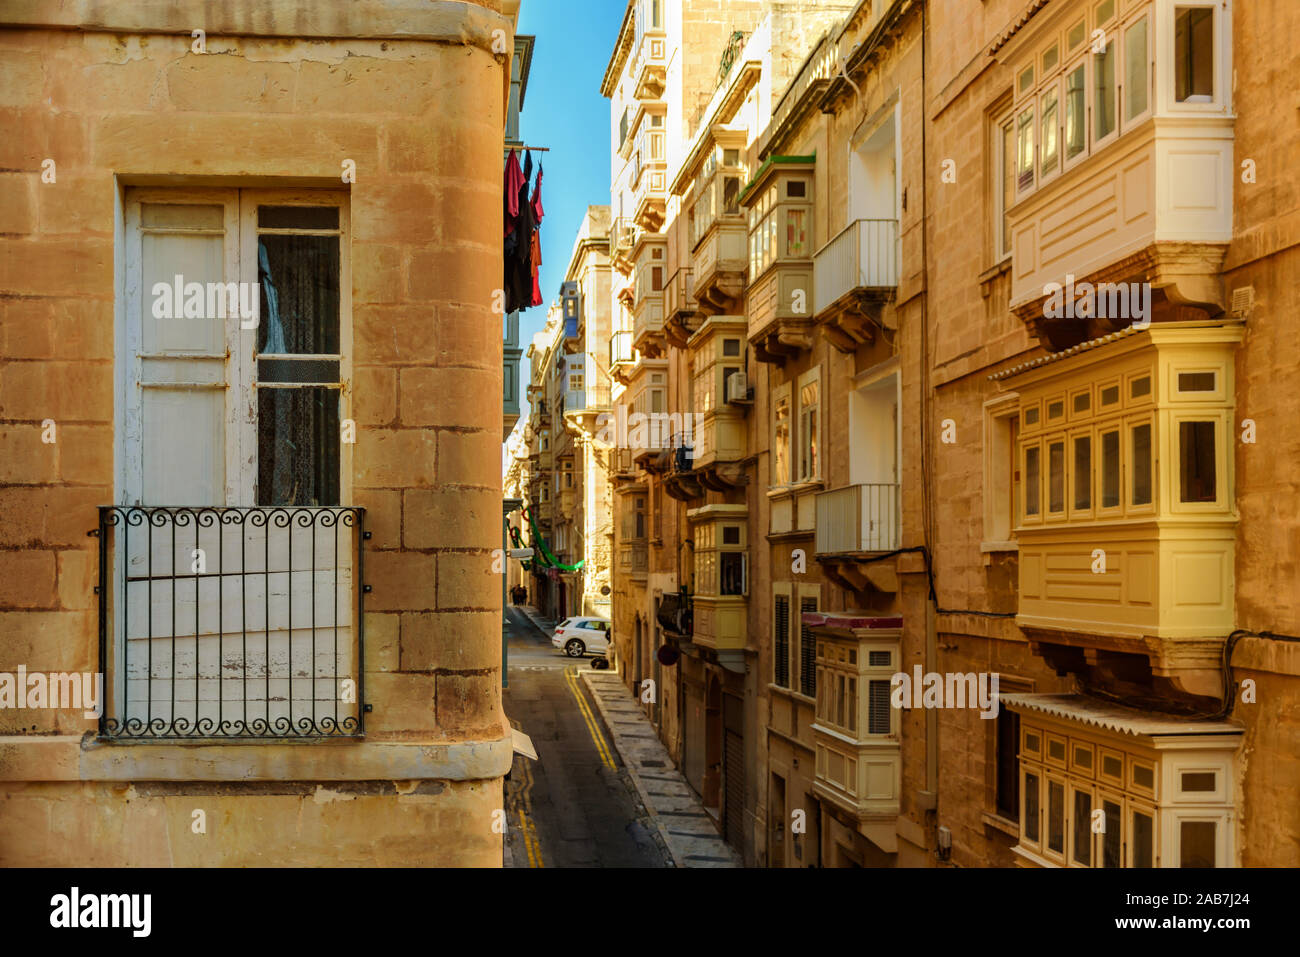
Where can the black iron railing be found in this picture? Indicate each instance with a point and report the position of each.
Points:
(231, 623)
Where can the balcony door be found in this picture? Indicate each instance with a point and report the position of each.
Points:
(231, 556)
(874, 200)
(874, 452)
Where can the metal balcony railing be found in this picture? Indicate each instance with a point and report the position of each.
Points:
(678, 293)
(231, 623)
(595, 396)
(620, 347)
(858, 518)
(863, 256)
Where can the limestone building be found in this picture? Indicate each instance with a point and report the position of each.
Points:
(249, 255)
(975, 307)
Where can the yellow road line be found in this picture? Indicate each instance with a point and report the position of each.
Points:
(571, 678)
(521, 793)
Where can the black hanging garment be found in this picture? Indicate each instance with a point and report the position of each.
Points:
(518, 245)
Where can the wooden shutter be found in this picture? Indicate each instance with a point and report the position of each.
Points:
(807, 652)
(781, 642)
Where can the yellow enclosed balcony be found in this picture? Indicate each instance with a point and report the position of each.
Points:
(720, 603)
(718, 233)
(1126, 511)
(681, 314)
(779, 203)
(649, 174)
(650, 51)
(1119, 158)
(720, 440)
(857, 732)
(648, 295)
(622, 241)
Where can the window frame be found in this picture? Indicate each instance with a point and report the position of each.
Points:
(240, 231)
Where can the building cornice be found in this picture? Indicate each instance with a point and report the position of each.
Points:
(439, 21)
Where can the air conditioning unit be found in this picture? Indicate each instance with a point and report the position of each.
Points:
(738, 390)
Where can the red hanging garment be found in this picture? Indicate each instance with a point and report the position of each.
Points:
(514, 180)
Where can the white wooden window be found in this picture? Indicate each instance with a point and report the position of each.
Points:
(809, 442)
(223, 410)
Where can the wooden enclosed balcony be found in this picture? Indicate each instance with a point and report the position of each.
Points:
(681, 313)
(856, 734)
(854, 275)
(719, 262)
(650, 65)
(649, 177)
(622, 240)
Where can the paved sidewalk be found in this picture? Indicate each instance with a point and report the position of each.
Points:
(546, 624)
(675, 808)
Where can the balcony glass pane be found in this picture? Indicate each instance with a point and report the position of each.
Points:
(1196, 466)
(1029, 826)
(1049, 134)
(1113, 821)
(1025, 150)
(1082, 831)
(1076, 137)
(1110, 470)
(796, 234)
(1103, 105)
(1196, 840)
(1141, 465)
(1193, 54)
(1032, 485)
(1083, 472)
(298, 446)
(1056, 477)
(1136, 70)
(1056, 816)
(1143, 840)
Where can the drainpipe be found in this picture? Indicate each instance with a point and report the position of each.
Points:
(507, 506)
(930, 797)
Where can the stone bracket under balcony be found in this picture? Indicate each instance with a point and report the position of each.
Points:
(854, 276)
(680, 326)
(783, 339)
(1185, 286)
(854, 320)
(860, 574)
(857, 527)
(1184, 671)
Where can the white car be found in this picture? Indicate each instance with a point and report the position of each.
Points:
(581, 636)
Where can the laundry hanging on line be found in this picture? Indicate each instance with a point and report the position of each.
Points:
(522, 245)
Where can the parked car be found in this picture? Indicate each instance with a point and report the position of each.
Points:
(582, 635)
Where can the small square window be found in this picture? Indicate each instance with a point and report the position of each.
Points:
(1082, 402)
(1031, 416)
(1196, 782)
(731, 347)
(1076, 35)
(731, 535)
(1109, 395)
(796, 189)
(1051, 58)
(1140, 387)
(1026, 79)
(1055, 410)
(1196, 381)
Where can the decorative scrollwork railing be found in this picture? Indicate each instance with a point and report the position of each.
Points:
(231, 623)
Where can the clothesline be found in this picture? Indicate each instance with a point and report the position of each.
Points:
(528, 149)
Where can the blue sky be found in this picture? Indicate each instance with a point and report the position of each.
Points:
(563, 109)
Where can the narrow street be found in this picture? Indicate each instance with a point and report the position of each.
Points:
(575, 806)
